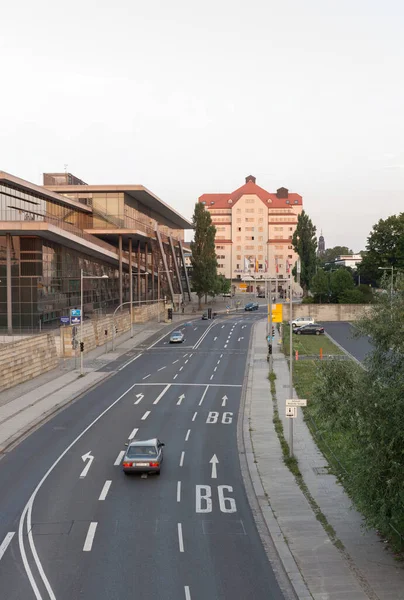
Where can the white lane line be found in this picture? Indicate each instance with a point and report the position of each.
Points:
(222, 326)
(231, 385)
(194, 417)
(178, 360)
(186, 361)
(119, 458)
(195, 328)
(178, 491)
(185, 355)
(157, 400)
(147, 376)
(161, 369)
(218, 362)
(129, 362)
(180, 369)
(190, 355)
(215, 369)
(145, 415)
(5, 543)
(159, 340)
(203, 336)
(221, 356)
(187, 592)
(105, 490)
(133, 433)
(211, 377)
(214, 339)
(90, 537)
(188, 434)
(180, 538)
(182, 459)
(175, 376)
(203, 395)
(225, 345)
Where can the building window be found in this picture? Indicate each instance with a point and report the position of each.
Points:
(238, 257)
(260, 238)
(260, 248)
(238, 211)
(260, 229)
(249, 228)
(238, 238)
(238, 247)
(290, 256)
(249, 200)
(261, 211)
(249, 220)
(239, 228)
(250, 210)
(290, 247)
(237, 266)
(238, 220)
(290, 228)
(261, 220)
(278, 228)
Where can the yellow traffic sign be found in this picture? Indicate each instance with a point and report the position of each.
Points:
(277, 314)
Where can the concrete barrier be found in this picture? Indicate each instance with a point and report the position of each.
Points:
(327, 312)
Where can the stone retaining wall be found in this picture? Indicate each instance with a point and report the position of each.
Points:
(327, 312)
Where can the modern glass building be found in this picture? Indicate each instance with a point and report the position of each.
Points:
(49, 234)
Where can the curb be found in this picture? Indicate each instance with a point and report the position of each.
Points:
(287, 573)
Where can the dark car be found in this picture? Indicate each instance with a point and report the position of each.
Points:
(249, 306)
(255, 306)
(312, 329)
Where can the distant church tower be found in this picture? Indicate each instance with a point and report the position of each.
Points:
(321, 245)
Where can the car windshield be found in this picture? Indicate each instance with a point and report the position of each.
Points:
(176, 333)
(142, 452)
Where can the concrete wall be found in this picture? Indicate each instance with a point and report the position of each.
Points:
(327, 312)
(27, 358)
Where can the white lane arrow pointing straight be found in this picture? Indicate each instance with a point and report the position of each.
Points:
(214, 461)
(224, 400)
(86, 469)
(139, 398)
(180, 399)
(240, 338)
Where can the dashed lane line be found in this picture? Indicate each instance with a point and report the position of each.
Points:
(182, 458)
(188, 434)
(119, 458)
(194, 417)
(147, 376)
(178, 491)
(203, 395)
(187, 592)
(161, 369)
(180, 538)
(145, 415)
(105, 490)
(133, 433)
(157, 400)
(88, 544)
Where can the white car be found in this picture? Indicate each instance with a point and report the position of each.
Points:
(301, 321)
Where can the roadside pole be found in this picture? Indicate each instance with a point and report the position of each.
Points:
(270, 331)
(290, 363)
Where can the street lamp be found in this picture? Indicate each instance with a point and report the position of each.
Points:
(82, 277)
(158, 290)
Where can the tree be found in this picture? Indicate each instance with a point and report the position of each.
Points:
(222, 285)
(320, 285)
(341, 281)
(203, 259)
(305, 244)
(330, 254)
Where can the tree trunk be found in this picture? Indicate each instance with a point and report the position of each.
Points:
(206, 298)
(199, 302)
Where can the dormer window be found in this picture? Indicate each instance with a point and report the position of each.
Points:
(287, 201)
(212, 202)
(230, 201)
(296, 202)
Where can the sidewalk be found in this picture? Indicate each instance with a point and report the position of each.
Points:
(362, 569)
(25, 406)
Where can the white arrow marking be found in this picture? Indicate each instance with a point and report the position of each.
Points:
(240, 338)
(90, 459)
(180, 399)
(214, 461)
(139, 398)
(224, 400)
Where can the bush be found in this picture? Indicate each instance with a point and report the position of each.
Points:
(308, 300)
(351, 297)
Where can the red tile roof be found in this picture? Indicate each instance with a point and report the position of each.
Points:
(222, 200)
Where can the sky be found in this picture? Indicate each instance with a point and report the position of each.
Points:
(188, 98)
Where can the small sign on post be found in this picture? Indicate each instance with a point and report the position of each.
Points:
(296, 402)
(291, 412)
(65, 320)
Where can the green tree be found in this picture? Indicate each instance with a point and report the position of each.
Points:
(305, 245)
(341, 281)
(320, 285)
(330, 254)
(203, 259)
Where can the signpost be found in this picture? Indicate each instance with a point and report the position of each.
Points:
(65, 320)
(276, 313)
(296, 402)
(75, 316)
(291, 412)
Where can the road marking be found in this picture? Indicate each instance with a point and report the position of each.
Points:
(27, 512)
(186, 361)
(194, 417)
(215, 369)
(90, 537)
(161, 369)
(230, 385)
(5, 543)
(182, 459)
(225, 345)
(105, 490)
(178, 360)
(214, 339)
(214, 461)
(195, 328)
(180, 538)
(188, 434)
(180, 399)
(185, 355)
(199, 342)
(178, 491)
(132, 435)
(129, 362)
(180, 369)
(222, 326)
(175, 376)
(119, 458)
(218, 362)
(211, 377)
(159, 340)
(224, 400)
(157, 400)
(203, 395)
(145, 415)
(147, 376)
(187, 592)
(86, 469)
(190, 355)
(221, 356)
(139, 398)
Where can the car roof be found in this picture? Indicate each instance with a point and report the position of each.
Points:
(176, 333)
(151, 442)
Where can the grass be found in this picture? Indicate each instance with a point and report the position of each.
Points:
(309, 344)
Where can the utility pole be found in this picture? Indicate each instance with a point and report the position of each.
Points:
(290, 363)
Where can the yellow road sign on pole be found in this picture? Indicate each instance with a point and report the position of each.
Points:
(277, 313)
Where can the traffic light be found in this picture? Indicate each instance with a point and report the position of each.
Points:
(269, 348)
(170, 314)
(81, 346)
(273, 331)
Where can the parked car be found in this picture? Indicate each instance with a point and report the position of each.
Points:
(261, 295)
(177, 337)
(205, 316)
(143, 457)
(300, 321)
(312, 329)
(251, 306)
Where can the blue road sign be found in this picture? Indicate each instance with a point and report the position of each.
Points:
(65, 320)
(269, 339)
(228, 307)
(75, 312)
(75, 320)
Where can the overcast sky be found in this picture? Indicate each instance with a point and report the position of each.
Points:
(189, 97)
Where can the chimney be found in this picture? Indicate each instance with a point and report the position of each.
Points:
(250, 178)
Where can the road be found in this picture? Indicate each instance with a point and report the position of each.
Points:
(343, 333)
(80, 529)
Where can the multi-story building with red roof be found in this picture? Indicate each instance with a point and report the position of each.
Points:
(254, 230)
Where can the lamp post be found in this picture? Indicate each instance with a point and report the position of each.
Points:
(82, 277)
(158, 290)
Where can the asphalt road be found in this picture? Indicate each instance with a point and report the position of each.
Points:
(343, 333)
(83, 530)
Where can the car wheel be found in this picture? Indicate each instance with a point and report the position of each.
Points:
(126, 472)
(157, 472)
(299, 332)
(317, 333)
